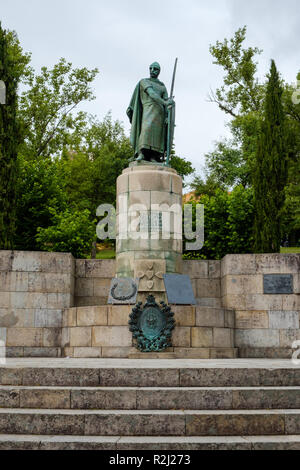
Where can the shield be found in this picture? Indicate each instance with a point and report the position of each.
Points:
(152, 325)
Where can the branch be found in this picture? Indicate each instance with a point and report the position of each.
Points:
(293, 114)
(249, 93)
(44, 144)
(212, 99)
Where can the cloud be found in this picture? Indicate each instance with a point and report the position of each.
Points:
(122, 37)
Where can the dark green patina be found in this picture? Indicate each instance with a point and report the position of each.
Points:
(149, 112)
(152, 325)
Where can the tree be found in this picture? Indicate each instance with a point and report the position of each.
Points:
(241, 91)
(92, 168)
(13, 63)
(228, 223)
(242, 97)
(226, 165)
(207, 186)
(72, 231)
(181, 165)
(270, 174)
(291, 105)
(292, 205)
(47, 106)
(41, 192)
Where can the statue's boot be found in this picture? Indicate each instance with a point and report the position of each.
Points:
(140, 157)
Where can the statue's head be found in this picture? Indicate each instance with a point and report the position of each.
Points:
(154, 70)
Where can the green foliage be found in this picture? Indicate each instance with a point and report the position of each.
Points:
(46, 107)
(13, 63)
(226, 165)
(290, 249)
(79, 180)
(72, 231)
(68, 161)
(241, 97)
(228, 224)
(92, 170)
(106, 254)
(244, 99)
(291, 106)
(181, 165)
(270, 172)
(40, 193)
(207, 186)
(292, 204)
(241, 91)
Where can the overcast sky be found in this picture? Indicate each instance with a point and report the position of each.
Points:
(122, 37)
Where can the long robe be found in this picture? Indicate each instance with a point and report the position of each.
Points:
(147, 117)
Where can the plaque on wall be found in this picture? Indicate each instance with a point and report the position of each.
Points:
(123, 290)
(278, 283)
(151, 325)
(179, 289)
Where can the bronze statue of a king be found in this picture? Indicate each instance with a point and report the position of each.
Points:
(151, 113)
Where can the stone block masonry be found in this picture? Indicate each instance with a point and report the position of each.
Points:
(103, 332)
(53, 305)
(92, 281)
(35, 288)
(266, 325)
(155, 192)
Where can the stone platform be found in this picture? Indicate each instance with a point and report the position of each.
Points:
(201, 332)
(37, 289)
(156, 404)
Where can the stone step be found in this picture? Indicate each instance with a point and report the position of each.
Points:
(149, 422)
(150, 373)
(43, 442)
(272, 353)
(186, 353)
(148, 398)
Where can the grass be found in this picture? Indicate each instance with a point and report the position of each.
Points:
(290, 249)
(106, 254)
(110, 253)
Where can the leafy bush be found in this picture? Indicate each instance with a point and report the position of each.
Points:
(40, 194)
(228, 224)
(72, 231)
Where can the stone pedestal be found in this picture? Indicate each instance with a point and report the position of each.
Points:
(149, 225)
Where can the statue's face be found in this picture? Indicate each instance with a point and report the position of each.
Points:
(154, 71)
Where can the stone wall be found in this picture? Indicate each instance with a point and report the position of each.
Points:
(35, 288)
(94, 329)
(206, 281)
(93, 278)
(200, 332)
(92, 281)
(266, 324)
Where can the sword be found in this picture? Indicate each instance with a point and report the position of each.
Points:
(173, 78)
(169, 143)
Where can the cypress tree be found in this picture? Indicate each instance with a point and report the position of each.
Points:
(9, 139)
(270, 170)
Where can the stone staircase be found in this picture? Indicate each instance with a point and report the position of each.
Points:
(151, 404)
